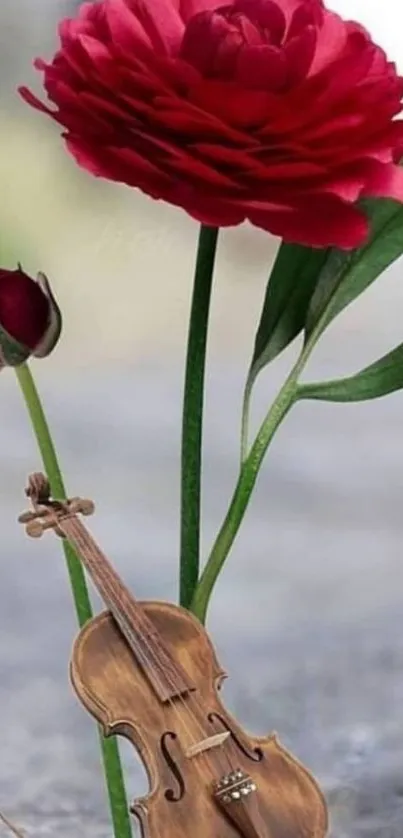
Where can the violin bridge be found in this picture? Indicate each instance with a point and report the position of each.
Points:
(207, 744)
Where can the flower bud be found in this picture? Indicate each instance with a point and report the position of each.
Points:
(30, 319)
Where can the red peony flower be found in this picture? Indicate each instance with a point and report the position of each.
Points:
(30, 319)
(275, 111)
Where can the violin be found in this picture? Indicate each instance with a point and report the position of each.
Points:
(148, 671)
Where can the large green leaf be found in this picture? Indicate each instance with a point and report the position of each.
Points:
(346, 275)
(286, 301)
(380, 378)
(288, 293)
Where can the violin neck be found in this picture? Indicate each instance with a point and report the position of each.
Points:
(166, 676)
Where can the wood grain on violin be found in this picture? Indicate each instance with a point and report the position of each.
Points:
(148, 671)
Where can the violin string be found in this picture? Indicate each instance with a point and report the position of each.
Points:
(57, 523)
(151, 661)
(52, 510)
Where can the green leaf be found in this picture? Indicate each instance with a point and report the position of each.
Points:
(289, 290)
(288, 293)
(346, 275)
(380, 378)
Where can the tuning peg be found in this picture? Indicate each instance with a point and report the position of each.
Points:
(81, 506)
(26, 517)
(35, 529)
(87, 507)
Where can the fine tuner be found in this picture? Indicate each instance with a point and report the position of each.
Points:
(148, 671)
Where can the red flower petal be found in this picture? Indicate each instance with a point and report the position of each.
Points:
(262, 66)
(33, 100)
(240, 108)
(328, 222)
(383, 180)
(116, 162)
(267, 14)
(127, 33)
(299, 53)
(189, 8)
(24, 308)
(161, 21)
(332, 39)
(251, 109)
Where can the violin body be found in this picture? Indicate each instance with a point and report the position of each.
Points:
(181, 802)
(148, 671)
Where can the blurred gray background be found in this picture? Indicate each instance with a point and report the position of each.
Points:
(308, 615)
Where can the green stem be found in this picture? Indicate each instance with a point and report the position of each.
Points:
(247, 478)
(245, 418)
(192, 422)
(51, 466)
(110, 752)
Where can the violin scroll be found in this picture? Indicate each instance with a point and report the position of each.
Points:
(47, 514)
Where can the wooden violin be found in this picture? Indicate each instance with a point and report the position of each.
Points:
(148, 671)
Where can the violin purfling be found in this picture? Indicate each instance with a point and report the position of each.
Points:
(148, 671)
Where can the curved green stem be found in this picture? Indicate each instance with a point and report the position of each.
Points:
(110, 753)
(247, 478)
(192, 423)
(245, 418)
(49, 458)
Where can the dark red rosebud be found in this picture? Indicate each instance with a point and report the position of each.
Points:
(30, 319)
(278, 112)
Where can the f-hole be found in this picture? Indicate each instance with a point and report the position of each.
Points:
(170, 794)
(255, 754)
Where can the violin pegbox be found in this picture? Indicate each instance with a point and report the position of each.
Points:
(47, 514)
